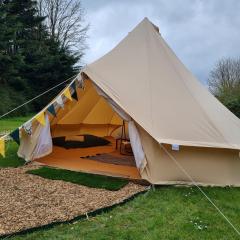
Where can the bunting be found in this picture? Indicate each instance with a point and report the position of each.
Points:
(67, 93)
(59, 101)
(80, 82)
(28, 128)
(74, 93)
(15, 136)
(41, 118)
(2, 147)
(79, 78)
(51, 109)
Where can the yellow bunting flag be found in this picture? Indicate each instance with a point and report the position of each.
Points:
(67, 93)
(2, 147)
(41, 118)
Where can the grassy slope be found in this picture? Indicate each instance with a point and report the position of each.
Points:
(166, 213)
(85, 179)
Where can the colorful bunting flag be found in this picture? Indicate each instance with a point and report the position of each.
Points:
(28, 128)
(15, 136)
(51, 109)
(79, 78)
(73, 86)
(81, 84)
(67, 93)
(2, 147)
(59, 101)
(74, 93)
(75, 96)
(41, 118)
(80, 81)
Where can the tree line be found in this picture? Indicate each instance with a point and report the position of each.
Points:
(224, 83)
(41, 44)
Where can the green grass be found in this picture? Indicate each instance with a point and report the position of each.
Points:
(167, 213)
(89, 180)
(8, 124)
(11, 159)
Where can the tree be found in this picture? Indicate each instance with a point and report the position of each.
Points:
(9, 70)
(31, 61)
(224, 83)
(65, 22)
(46, 63)
(18, 25)
(46, 67)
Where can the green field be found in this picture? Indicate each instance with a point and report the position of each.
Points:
(8, 124)
(164, 213)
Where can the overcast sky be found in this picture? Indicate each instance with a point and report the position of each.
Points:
(199, 31)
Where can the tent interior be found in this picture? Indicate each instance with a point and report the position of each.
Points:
(89, 136)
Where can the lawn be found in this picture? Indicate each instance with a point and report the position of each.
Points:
(11, 159)
(8, 124)
(163, 213)
(89, 180)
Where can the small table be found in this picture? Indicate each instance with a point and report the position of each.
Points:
(125, 146)
(124, 141)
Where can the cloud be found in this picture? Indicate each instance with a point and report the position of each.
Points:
(199, 32)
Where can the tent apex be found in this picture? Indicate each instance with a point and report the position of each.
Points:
(149, 22)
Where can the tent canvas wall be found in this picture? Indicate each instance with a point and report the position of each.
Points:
(142, 78)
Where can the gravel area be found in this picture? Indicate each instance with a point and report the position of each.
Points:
(28, 201)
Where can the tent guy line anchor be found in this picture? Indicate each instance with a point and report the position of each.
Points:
(200, 189)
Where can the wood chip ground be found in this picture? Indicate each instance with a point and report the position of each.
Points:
(28, 201)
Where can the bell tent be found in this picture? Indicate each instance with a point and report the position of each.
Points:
(138, 98)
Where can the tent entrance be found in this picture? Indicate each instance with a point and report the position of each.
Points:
(91, 117)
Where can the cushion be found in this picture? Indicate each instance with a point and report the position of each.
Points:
(75, 138)
(80, 141)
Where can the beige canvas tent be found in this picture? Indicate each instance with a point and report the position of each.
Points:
(168, 115)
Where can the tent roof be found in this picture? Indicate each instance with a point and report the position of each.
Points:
(147, 80)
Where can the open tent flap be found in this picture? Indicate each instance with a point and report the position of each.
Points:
(44, 144)
(28, 142)
(134, 136)
(37, 144)
(136, 144)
